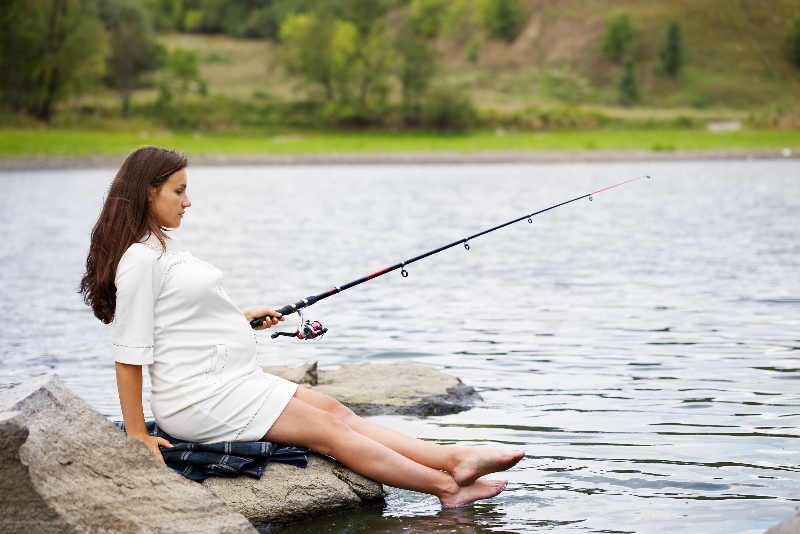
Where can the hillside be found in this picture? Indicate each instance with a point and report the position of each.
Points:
(737, 59)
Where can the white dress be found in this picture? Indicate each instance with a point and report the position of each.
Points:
(173, 316)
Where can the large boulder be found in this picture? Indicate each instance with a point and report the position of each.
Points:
(65, 468)
(285, 493)
(397, 388)
(790, 526)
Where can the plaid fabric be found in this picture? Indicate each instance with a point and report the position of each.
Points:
(197, 461)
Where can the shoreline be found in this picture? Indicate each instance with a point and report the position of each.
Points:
(407, 158)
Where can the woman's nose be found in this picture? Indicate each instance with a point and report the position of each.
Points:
(186, 203)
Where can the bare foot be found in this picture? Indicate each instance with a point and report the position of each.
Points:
(481, 489)
(477, 462)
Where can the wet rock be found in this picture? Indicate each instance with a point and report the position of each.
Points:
(790, 526)
(65, 468)
(285, 493)
(397, 388)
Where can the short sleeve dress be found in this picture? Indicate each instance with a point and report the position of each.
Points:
(173, 316)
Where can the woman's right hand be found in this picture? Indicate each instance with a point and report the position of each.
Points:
(153, 443)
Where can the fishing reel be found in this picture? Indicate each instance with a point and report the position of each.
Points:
(305, 330)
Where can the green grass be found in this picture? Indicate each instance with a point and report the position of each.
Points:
(33, 143)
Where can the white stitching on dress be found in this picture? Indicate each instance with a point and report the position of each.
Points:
(128, 347)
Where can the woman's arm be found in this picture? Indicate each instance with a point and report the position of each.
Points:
(254, 312)
(129, 384)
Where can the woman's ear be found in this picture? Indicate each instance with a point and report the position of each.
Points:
(152, 194)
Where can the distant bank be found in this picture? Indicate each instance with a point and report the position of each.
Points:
(441, 157)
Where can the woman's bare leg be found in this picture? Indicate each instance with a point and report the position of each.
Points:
(465, 464)
(302, 424)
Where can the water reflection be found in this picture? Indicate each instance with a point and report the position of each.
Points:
(481, 518)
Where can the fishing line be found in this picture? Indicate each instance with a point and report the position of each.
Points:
(313, 329)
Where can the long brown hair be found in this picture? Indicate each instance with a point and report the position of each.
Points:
(126, 218)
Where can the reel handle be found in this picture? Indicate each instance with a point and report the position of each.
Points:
(287, 334)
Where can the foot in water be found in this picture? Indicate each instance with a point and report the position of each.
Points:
(481, 489)
(477, 462)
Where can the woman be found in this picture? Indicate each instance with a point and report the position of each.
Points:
(171, 314)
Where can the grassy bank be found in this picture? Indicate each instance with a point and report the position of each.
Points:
(34, 143)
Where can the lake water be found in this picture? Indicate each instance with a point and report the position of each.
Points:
(642, 348)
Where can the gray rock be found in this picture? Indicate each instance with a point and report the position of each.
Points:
(305, 374)
(285, 493)
(790, 526)
(65, 468)
(397, 388)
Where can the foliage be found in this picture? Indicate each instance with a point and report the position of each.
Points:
(133, 49)
(351, 68)
(793, 41)
(447, 108)
(180, 77)
(618, 37)
(416, 67)
(458, 19)
(257, 18)
(502, 18)
(672, 51)
(426, 16)
(566, 85)
(47, 49)
(474, 49)
(362, 13)
(627, 84)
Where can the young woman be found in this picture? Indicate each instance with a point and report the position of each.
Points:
(171, 314)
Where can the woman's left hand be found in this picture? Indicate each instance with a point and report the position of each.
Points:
(271, 317)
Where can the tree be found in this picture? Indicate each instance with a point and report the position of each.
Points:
(364, 13)
(627, 84)
(502, 18)
(134, 51)
(426, 16)
(48, 48)
(416, 67)
(618, 37)
(672, 51)
(793, 41)
(305, 41)
(180, 77)
(352, 69)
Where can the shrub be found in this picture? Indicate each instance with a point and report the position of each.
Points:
(793, 41)
(502, 18)
(474, 49)
(447, 108)
(627, 84)
(672, 50)
(618, 37)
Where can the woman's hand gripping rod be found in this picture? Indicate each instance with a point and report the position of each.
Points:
(312, 330)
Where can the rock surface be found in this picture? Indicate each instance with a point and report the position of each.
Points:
(285, 493)
(790, 526)
(65, 468)
(397, 388)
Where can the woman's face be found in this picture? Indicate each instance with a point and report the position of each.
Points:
(169, 203)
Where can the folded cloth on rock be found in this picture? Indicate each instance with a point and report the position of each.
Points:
(197, 461)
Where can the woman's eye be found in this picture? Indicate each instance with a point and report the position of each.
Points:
(179, 191)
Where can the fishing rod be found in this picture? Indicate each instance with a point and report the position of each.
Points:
(313, 329)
